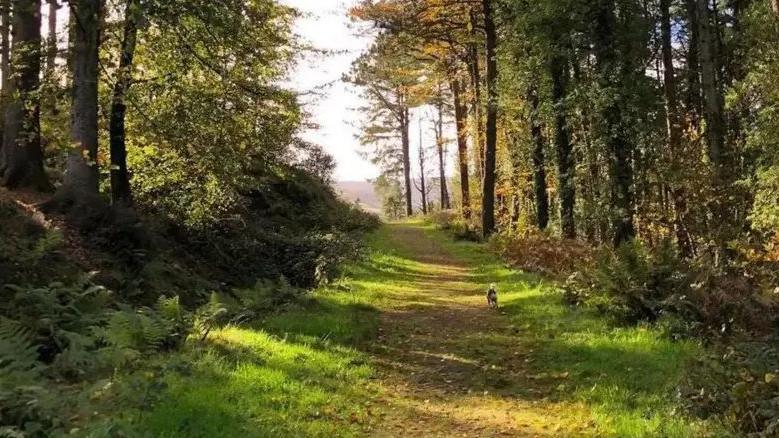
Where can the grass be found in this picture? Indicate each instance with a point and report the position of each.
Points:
(297, 373)
(305, 372)
(626, 376)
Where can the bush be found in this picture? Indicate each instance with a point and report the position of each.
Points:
(453, 222)
(740, 383)
(637, 283)
(542, 253)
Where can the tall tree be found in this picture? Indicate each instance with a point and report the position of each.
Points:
(474, 70)
(539, 162)
(81, 174)
(389, 78)
(462, 145)
(49, 75)
(612, 72)
(405, 125)
(693, 96)
(5, 52)
(422, 187)
(22, 163)
(565, 167)
(713, 101)
(673, 127)
(120, 177)
(441, 150)
(488, 189)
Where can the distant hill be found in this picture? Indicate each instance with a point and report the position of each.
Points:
(362, 191)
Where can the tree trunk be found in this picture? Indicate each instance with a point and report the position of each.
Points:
(423, 184)
(439, 133)
(539, 163)
(611, 70)
(81, 175)
(712, 96)
(488, 187)
(462, 146)
(49, 76)
(693, 98)
(475, 73)
(23, 163)
(5, 68)
(565, 167)
(713, 114)
(404, 127)
(120, 177)
(674, 128)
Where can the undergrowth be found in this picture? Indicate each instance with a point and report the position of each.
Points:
(732, 309)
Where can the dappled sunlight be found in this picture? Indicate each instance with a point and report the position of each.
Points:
(409, 348)
(252, 383)
(455, 366)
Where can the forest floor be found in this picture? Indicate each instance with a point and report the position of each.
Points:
(406, 346)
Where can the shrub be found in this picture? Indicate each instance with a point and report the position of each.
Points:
(637, 283)
(540, 252)
(740, 383)
(454, 223)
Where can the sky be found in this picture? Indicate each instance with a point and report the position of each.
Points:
(325, 25)
(331, 103)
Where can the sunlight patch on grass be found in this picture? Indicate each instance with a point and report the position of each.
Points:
(251, 383)
(625, 376)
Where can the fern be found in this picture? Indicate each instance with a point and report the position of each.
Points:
(18, 354)
(22, 399)
(210, 316)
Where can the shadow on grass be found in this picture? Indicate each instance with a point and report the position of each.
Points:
(627, 376)
(306, 372)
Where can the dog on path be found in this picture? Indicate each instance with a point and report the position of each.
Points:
(492, 296)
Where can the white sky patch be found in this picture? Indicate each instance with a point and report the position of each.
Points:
(326, 26)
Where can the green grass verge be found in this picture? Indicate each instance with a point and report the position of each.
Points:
(301, 373)
(297, 373)
(626, 376)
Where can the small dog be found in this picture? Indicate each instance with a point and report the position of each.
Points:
(492, 296)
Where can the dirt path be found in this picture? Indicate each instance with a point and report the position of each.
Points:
(454, 367)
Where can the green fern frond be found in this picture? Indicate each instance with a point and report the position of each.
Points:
(18, 354)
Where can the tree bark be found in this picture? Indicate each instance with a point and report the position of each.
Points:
(565, 166)
(404, 127)
(81, 175)
(693, 98)
(611, 66)
(462, 146)
(674, 129)
(422, 182)
(445, 203)
(23, 163)
(488, 187)
(5, 68)
(475, 73)
(713, 100)
(120, 177)
(51, 59)
(539, 162)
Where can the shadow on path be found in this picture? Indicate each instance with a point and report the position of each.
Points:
(451, 365)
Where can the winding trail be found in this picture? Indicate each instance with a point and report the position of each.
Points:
(450, 365)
